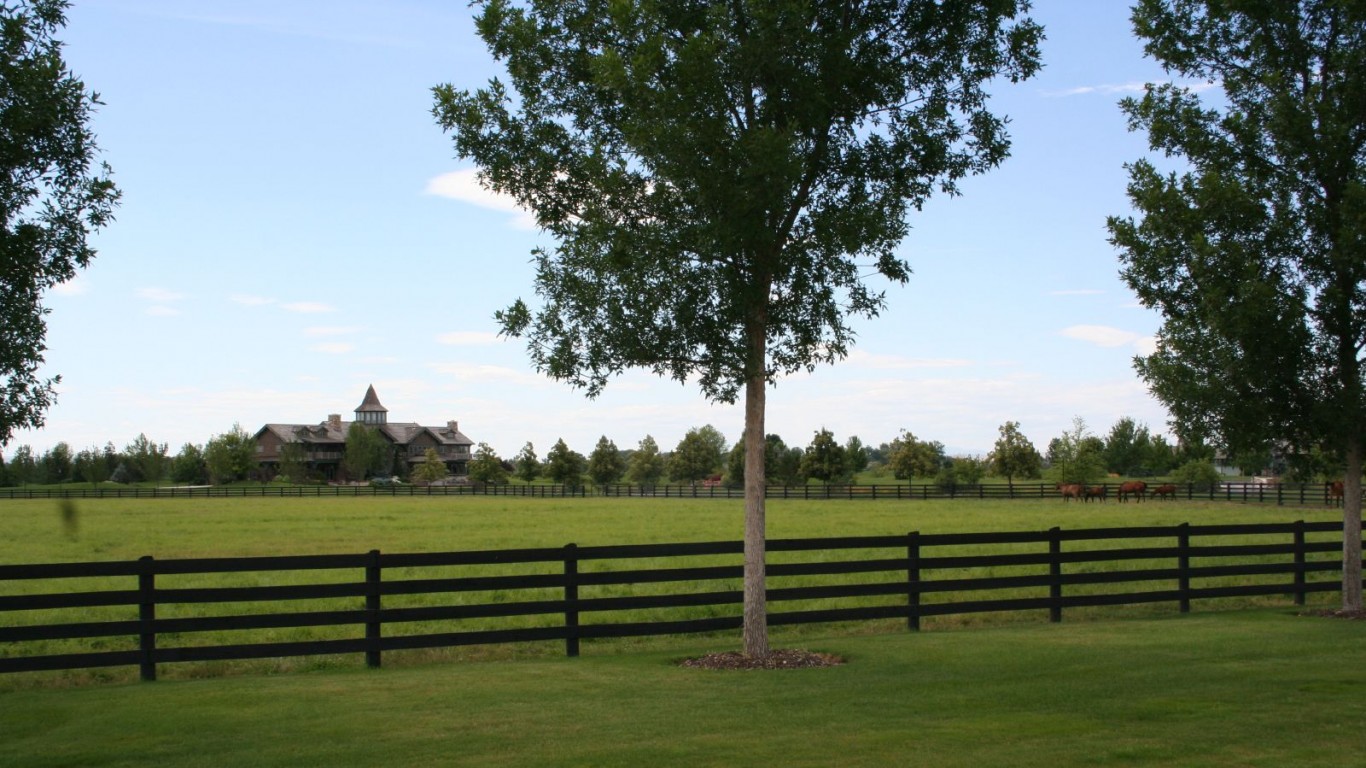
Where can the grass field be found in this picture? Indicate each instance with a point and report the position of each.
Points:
(1252, 688)
(1140, 686)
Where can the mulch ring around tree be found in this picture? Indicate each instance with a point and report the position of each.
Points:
(1337, 614)
(788, 658)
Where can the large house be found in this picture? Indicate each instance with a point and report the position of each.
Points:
(324, 444)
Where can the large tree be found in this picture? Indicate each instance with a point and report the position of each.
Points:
(52, 196)
(1254, 249)
(721, 177)
(1014, 455)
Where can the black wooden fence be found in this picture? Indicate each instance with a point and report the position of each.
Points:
(377, 602)
(1280, 494)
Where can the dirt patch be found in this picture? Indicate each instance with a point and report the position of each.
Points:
(779, 659)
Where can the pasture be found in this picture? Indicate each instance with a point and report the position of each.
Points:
(123, 530)
(1243, 688)
(1129, 685)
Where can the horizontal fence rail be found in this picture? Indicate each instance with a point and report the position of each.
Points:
(1268, 493)
(150, 611)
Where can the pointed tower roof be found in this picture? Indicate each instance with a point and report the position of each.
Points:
(371, 403)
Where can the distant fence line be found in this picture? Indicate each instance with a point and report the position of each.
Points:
(1280, 494)
(386, 604)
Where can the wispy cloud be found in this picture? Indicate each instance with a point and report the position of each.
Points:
(1117, 89)
(73, 287)
(1105, 336)
(464, 186)
(468, 338)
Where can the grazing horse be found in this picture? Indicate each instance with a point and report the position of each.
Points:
(1070, 491)
(1094, 492)
(1165, 490)
(1133, 487)
(1335, 493)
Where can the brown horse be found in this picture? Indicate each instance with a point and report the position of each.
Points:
(1132, 488)
(1335, 493)
(1165, 490)
(1094, 492)
(1070, 491)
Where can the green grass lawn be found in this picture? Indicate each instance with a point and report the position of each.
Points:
(1250, 688)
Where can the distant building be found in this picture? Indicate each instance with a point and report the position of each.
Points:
(324, 443)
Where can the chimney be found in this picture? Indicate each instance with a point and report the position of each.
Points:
(453, 426)
(334, 421)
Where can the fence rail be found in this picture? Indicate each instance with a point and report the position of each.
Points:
(1279, 494)
(377, 602)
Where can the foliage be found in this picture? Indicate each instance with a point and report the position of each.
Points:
(90, 466)
(367, 452)
(484, 467)
(147, 459)
(230, 456)
(23, 467)
(1014, 455)
(855, 455)
(825, 460)
(293, 463)
(720, 179)
(50, 198)
(564, 466)
(697, 456)
(189, 467)
(526, 463)
(1201, 474)
(604, 463)
(962, 470)
(910, 457)
(1076, 456)
(647, 464)
(433, 468)
(1253, 253)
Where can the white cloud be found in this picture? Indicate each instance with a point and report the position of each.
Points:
(1105, 336)
(464, 186)
(334, 348)
(308, 307)
(468, 338)
(1115, 89)
(77, 286)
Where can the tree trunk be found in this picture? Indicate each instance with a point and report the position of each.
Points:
(755, 606)
(1351, 528)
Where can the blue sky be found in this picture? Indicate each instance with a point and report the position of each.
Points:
(295, 227)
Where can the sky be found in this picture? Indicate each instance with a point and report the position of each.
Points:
(295, 227)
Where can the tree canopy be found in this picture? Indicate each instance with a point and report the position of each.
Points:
(51, 197)
(722, 177)
(1253, 249)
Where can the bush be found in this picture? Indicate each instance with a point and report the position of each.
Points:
(1199, 473)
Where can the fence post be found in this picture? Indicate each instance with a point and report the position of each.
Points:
(1055, 574)
(913, 581)
(147, 616)
(1183, 565)
(571, 600)
(1299, 562)
(373, 624)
